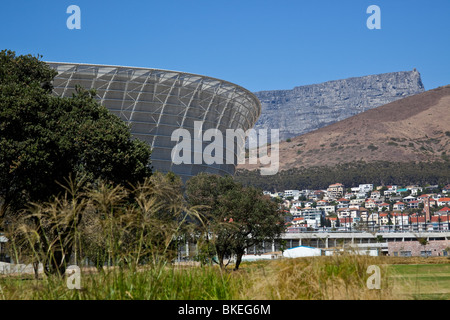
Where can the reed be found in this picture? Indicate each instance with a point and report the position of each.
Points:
(125, 240)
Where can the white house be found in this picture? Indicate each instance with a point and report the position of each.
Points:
(342, 203)
(443, 202)
(296, 203)
(409, 198)
(375, 195)
(370, 204)
(291, 193)
(415, 190)
(365, 188)
(357, 202)
(298, 221)
(383, 205)
(374, 217)
(400, 219)
(346, 222)
(343, 212)
(413, 204)
(328, 209)
(354, 190)
(399, 206)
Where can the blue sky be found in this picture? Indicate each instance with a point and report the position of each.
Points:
(261, 45)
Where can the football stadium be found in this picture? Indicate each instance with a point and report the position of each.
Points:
(154, 103)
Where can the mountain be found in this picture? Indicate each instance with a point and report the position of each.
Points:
(307, 108)
(412, 129)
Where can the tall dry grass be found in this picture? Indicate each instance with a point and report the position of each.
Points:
(103, 226)
(339, 277)
(124, 239)
(155, 282)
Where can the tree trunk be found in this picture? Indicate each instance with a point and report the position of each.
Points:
(239, 255)
(36, 270)
(57, 263)
(220, 257)
(3, 209)
(238, 261)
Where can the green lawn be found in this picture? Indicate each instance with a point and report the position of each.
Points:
(423, 281)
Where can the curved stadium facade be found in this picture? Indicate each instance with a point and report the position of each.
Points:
(156, 102)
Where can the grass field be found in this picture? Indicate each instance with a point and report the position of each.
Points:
(423, 281)
(316, 278)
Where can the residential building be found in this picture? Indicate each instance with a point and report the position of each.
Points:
(398, 206)
(342, 203)
(354, 190)
(327, 209)
(375, 195)
(414, 190)
(446, 189)
(357, 202)
(385, 218)
(370, 204)
(383, 205)
(346, 223)
(374, 217)
(409, 198)
(413, 204)
(443, 202)
(348, 195)
(335, 191)
(365, 188)
(392, 188)
(291, 193)
(343, 212)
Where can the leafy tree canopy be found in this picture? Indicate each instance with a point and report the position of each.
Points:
(350, 174)
(45, 138)
(237, 217)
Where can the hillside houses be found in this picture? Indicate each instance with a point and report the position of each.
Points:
(389, 208)
(398, 206)
(445, 201)
(446, 189)
(335, 190)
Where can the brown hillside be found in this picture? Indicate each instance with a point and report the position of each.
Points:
(416, 128)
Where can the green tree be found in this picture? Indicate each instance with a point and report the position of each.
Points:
(204, 192)
(236, 217)
(44, 138)
(255, 219)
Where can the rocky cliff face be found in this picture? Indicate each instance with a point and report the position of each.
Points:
(307, 108)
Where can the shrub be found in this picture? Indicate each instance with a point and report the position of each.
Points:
(371, 147)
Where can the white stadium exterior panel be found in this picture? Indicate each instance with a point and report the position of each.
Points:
(155, 102)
